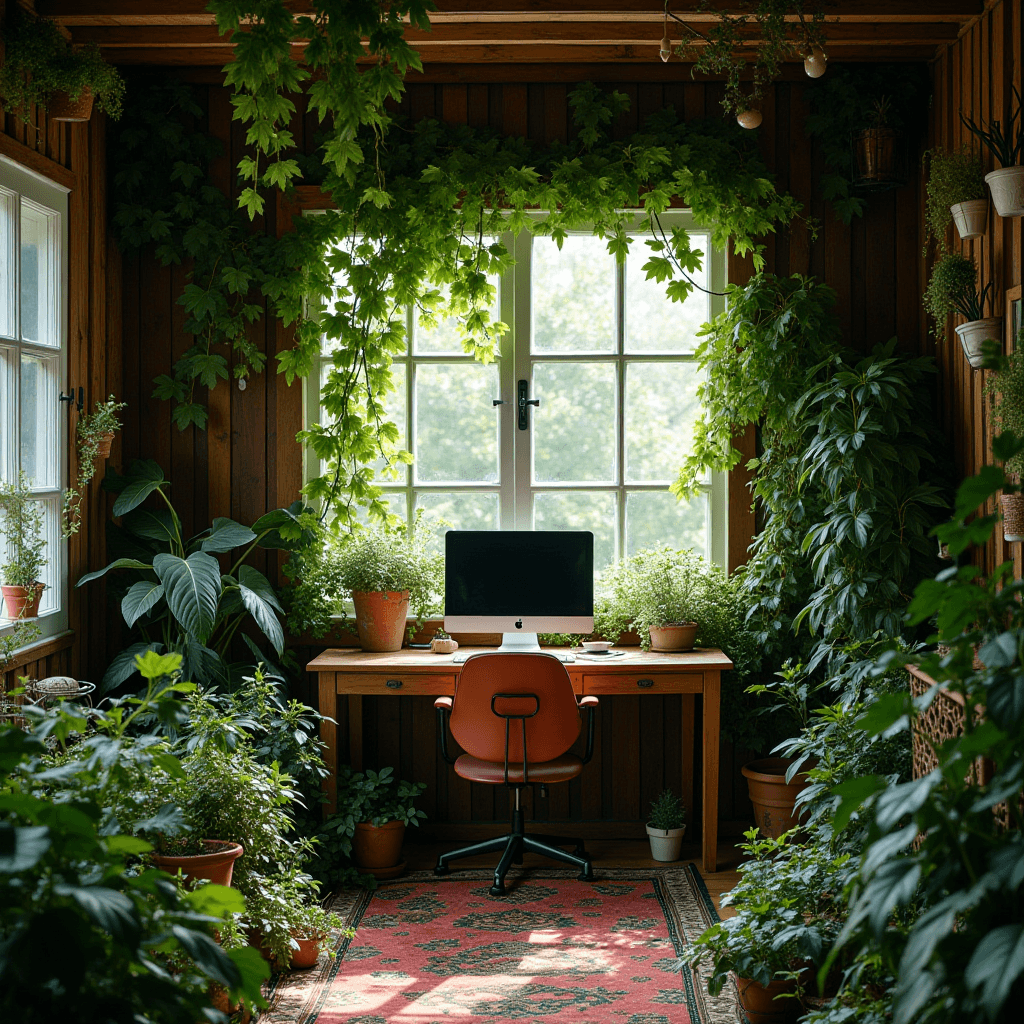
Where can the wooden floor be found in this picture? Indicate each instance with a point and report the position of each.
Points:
(609, 853)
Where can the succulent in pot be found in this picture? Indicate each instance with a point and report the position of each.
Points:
(442, 643)
(21, 536)
(667, 826)
(1006, 182)
(956, 191)
(953, 288)
(1005, 389)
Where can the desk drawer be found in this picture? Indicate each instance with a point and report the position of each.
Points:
(395, 683)
(644, 683)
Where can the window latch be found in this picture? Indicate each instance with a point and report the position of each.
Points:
(524, 404)
(496, 402)
(70, 397)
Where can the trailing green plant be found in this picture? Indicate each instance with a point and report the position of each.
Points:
(1005, 390)
(90, 429)
(953, 288)
(1005, 146)
(13, 638)
(183, 602)
(667, 812)
(21, 533)
(39, 61)
(956, 177)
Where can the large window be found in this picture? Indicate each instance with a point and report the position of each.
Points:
(33, 340)
(610, 360)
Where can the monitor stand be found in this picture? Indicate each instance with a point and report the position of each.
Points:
(521, 643)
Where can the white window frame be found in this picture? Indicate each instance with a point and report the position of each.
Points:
(42, 192)
(515, 486)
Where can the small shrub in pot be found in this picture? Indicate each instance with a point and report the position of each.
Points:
(666, 826)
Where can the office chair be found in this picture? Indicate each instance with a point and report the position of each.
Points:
(516, 716)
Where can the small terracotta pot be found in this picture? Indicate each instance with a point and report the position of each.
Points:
(674, 637)
(761, 1006)
(378, 846)
(307, 954)
(1013, 517)
(103, 443)
(215, 866)
(61, 107)
(23, 602)
(380, 618)
(773, 798)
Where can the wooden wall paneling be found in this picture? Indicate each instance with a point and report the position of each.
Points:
(556, 109)
(535, 117)
(879, 277)
(455, 104)
(799, 181)
(513, 110)
(477, 105)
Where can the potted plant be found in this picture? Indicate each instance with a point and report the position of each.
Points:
(21, 536)
(386, 571)
(1006, 182)
(956, 189)
(95, 433)
(953, 287)
(442, 643)
(379, 807)
(41, 67)
(1005, 389)
(875, 145)
(667, 826)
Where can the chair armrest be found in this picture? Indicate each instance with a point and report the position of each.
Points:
(589, 704)
(444, 707)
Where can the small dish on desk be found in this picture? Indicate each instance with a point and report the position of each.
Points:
(596, 646)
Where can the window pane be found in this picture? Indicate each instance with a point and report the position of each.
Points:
(573, 296)
(653, 322)
(461, 510)
(655, 518)
(456, 425)
(39, 294)
(580, 510)
(574, 427)
(39, 420)
(8, 296)
(661, 406)
(51, 571)
(445, 339)
(8, 414)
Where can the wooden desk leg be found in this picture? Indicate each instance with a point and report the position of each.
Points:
(712, 712)
(355, 731)
(688, 734)
(329, 738)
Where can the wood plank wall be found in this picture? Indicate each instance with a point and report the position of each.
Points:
(976, 75)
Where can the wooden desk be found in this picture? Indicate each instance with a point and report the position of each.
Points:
(355, 674)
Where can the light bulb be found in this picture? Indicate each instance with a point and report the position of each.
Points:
(749, 118)
(666, 49)
(816, 62)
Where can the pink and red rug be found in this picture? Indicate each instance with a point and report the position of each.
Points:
(442, 950)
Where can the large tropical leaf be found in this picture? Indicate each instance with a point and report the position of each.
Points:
(121, 563)
(141, 598)
(141, 480)
(226, 535)
(280, 529)
(152, 524)
(192, 590)
(123, 665)
(261, 602)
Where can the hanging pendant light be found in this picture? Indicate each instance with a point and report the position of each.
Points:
(749, 118)
(666, 44)
(816, 62)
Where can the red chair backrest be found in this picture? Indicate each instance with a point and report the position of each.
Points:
(481, 733)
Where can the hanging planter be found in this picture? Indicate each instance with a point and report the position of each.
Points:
(1013, 517)
(1006, 183)
(970, 218)
(64, 107)
(1007, 187)
(973, 336)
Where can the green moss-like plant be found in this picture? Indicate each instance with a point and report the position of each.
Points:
(952, 178)
(667, 812)
(1005, 389)
(21, 534)
(39, 62)
(953, 288)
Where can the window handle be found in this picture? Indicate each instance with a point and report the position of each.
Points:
(70, 397)
(497, 401)
(525, 403)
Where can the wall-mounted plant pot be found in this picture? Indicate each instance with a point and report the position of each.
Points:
(679, 637)
(760, 1004)
(1007, 187)
(215, 866)
(970, 218)
(875, 155)
(23, 602)
(61, 107)
(1013, 517)
(774, 798)
(974, 334)
(380, 618)
(103, 443)
(378, 847)
(666, 843)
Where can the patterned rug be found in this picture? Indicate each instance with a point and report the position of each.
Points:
(430, 950)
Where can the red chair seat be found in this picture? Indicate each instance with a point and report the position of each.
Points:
(561, 769)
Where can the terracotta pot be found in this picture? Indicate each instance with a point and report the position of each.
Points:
(23, 602)
(103, 443)
(970, 218)
(665, 842)
(875, 150)
(380, 618)
(773, 798)
(973, 334)
(673, 637)
(1007, 187)
(306, 955)
(1013, 517)
(215, 866)
(61, 107)
(378, 846)
(761, 1006)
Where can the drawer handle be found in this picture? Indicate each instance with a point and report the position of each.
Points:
(645, 683)
(394, 684)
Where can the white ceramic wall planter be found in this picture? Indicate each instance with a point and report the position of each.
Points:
(974, 334)
(1007, 187)
(970, 218)
(665, 843)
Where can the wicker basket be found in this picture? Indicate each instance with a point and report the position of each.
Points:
(1013, 517)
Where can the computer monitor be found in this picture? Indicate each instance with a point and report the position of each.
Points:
(519, 583)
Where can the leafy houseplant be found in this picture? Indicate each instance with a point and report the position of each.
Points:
(953, 287)
(666, 826)
(183, 602)
(95, 432)
(41, 67)
(956, 190)
(21, 536)
(1007, 181)
(1005, 389)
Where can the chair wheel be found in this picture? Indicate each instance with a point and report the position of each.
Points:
(497, 889)
(587, 874)
(441, 869)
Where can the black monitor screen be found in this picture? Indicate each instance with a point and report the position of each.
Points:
(541, 572)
